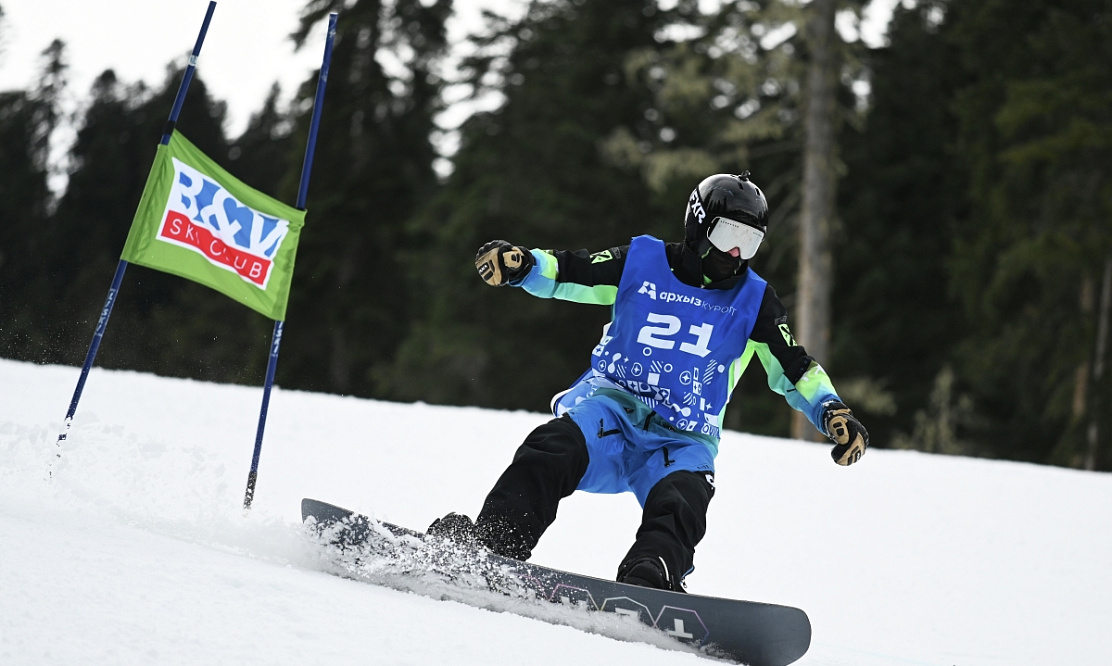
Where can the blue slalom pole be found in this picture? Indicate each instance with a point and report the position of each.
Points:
(302, 193)
(187, 76)
(121, 267)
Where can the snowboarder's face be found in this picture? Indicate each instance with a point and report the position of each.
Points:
(719, 265)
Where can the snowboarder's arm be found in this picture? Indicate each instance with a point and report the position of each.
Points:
(791, 371)
(571, 276)
(801, 380)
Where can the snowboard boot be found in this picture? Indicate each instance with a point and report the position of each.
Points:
(645, 573)
(504, 537)
(455, 527)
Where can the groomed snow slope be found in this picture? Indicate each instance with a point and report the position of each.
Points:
(135, 550)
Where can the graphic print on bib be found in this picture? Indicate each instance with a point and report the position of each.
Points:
(671, 344)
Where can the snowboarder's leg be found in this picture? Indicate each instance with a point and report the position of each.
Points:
(546, 468)
(673, 522)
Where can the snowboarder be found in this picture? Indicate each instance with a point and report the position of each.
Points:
(645, 418)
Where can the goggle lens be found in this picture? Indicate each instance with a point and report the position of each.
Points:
(726, 234)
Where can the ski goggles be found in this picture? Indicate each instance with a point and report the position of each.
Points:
(726, 234)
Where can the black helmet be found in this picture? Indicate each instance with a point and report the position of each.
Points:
(723, 195)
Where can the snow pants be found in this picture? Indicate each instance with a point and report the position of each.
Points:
(608, 443)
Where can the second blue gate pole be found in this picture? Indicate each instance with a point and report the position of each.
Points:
(302, 193)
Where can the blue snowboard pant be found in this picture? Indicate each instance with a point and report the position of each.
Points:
(631, 448)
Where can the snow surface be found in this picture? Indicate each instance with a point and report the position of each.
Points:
(132, 548)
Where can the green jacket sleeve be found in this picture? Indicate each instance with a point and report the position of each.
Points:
(791, 371)
(576, 276)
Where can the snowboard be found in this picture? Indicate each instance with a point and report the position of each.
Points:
(754, 633)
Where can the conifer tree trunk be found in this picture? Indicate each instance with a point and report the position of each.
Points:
(1096, 408)
(817, 214)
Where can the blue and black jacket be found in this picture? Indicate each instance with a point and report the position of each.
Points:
(584, 277)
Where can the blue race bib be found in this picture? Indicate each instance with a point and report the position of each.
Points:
(671, 344)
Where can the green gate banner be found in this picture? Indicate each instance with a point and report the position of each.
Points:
(199, 222)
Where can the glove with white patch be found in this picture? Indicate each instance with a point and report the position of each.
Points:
(849, 436)
(500, 263)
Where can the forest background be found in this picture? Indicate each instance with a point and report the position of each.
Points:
(969, 239)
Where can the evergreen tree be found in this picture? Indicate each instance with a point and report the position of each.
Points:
(351, 296)
(816, 214)
(27, 123)
(1035, 131)
(533, 171)
(903, 197)
(265, 156)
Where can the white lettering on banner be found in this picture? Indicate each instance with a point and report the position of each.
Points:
(206, 218)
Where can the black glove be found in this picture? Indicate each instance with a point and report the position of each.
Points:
(500, 263)
(849, 436)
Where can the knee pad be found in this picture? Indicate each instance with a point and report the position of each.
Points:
(694, 488)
